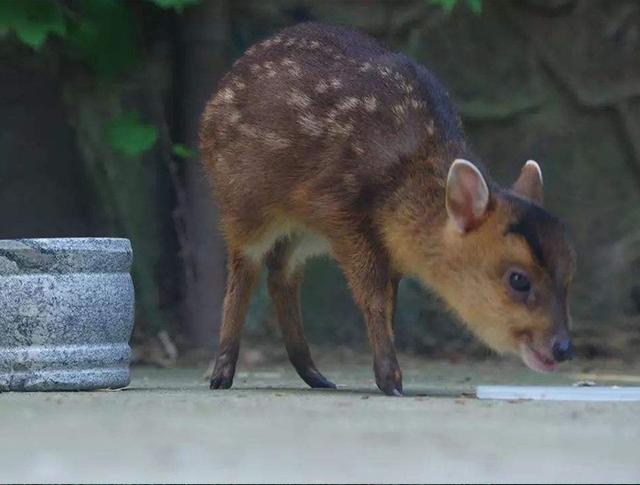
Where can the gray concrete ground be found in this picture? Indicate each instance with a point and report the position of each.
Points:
(168, 427)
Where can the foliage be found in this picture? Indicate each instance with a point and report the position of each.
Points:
(182, 151)
(448, 5)
(86, 27)
(101, 40)
(92, 40)
(130, 136)
(177, 5)
(32, 20)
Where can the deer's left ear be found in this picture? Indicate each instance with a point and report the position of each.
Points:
(529, 183)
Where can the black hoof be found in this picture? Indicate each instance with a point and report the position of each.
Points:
(318, 381)
(220, 382)
(314, 379)
(390, 387)
(389, 379)
(222, 377)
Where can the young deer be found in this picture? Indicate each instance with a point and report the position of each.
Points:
(319, 140)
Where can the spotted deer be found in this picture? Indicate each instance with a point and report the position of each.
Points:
(321, 141)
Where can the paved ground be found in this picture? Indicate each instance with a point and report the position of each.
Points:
(169, 427)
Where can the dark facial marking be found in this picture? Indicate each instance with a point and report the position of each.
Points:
(528, 226)
(545, 235)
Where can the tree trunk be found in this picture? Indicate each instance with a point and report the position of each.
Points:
(204, 52)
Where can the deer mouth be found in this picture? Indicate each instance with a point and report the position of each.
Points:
(536, 360)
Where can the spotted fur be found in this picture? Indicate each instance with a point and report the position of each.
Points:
(320, 140)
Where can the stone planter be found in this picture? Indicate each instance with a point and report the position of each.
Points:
(66, 314)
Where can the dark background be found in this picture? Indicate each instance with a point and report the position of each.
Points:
(99, 107)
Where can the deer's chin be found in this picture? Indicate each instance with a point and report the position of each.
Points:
(537, 360)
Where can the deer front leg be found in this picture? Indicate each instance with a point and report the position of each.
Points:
(367, 270)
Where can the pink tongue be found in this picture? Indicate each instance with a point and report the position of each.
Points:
(535, 361)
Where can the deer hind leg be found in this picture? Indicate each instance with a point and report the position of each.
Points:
(242, 274)
(285, 275)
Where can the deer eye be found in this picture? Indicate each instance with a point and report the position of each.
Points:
(519, 282)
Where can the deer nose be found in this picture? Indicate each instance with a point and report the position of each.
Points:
(563, 350)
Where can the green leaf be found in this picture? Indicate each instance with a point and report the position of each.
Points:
(475, 6)
(177, 5)
(446, 5)
(105, 37)
(32, 20)
(130, 136)
(182, 151)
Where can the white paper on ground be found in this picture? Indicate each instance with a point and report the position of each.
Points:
(559, 393)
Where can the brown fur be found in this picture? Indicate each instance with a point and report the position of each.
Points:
(320, 140)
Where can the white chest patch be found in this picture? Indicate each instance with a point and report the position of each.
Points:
(307, 245)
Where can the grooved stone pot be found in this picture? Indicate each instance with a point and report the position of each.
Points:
(66, 314)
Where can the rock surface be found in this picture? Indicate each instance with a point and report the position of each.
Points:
(66, 314)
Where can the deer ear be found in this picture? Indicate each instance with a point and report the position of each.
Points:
(529, 183)
(467, 195)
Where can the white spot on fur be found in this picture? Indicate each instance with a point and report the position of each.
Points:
(295, 71)
(358, 149)
(332, 114)
(234, 116)
(275, 141)
(249, 131)
(314, 44)
(348, 103)
(399, 111)
(340, 129)
(219, 159)
(335, 83)
(321, 87)
(269, 138)
(370, 103)
(406, 87)
(298, 99)
(350, 181)
(270, 68)
(366, 66)
(311, 124)
(290, 41)
(225, 95)
(384, 71)
(237, 83)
